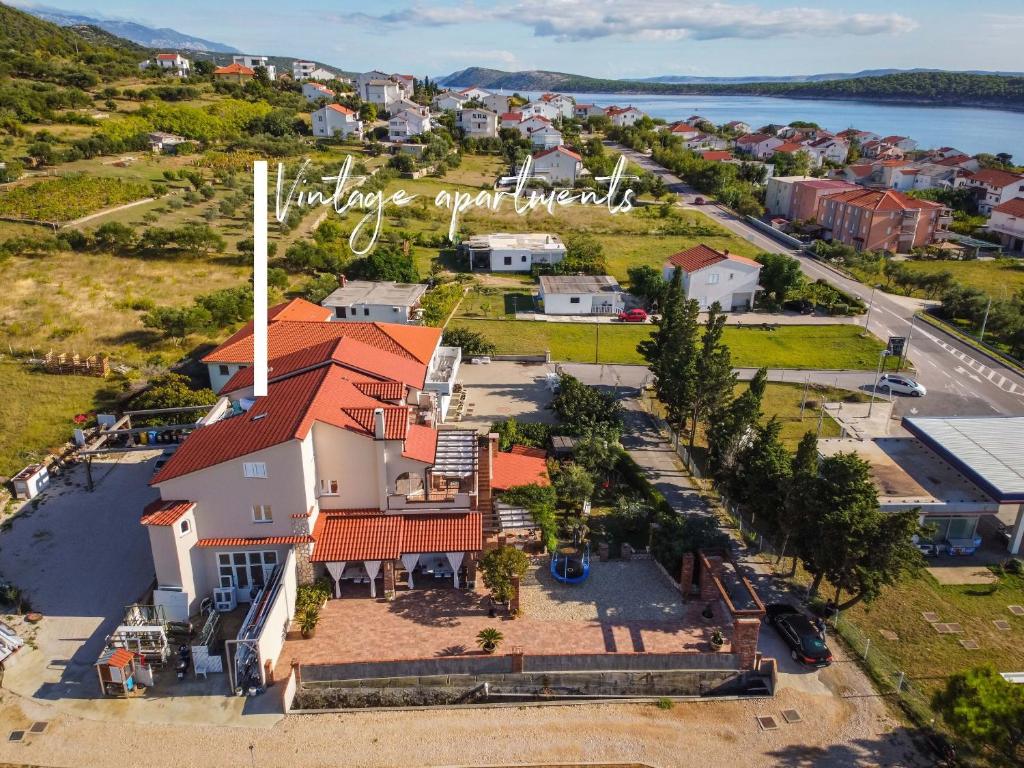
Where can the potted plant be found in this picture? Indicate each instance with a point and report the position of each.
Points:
(308, 620)
(488, 639)
(717, 640)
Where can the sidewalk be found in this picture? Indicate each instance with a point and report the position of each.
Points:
(731, 318)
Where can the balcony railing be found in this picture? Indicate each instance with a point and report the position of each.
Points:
(432, 500)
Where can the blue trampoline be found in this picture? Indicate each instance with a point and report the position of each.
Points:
(571, 568)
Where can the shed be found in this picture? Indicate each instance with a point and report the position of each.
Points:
(581, 295)
(31, 481)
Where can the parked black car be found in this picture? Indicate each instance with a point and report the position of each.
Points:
(805, 642)
(803, 306)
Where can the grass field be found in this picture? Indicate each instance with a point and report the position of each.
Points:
(1000, 278)
(783, 401)
(928, 657)
(37, 409)
(810, 347)
(494, 302)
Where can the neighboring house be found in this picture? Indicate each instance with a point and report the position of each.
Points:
(875, 220)
(583, 111)
(961, 162)
(303, 70)
(623, 117)
(793, 148)
(496, 102)
(541, 109)
(778, 194)
(704, 141)
(174, 63)
(334, 120)
(165, 142)
(449, 100)
(807, 194)
(852, 134)
(710, 276)
(581, 295)
(477, 122)
(758, 145)
(473, 92)
(717, 155)
(881, 150)
(943, 153)
(993, 187)
(1008, 222)
(502, 252)
(830, 148)
(558, 165)
(530, 123)
(325, 75)
(406, 85)
(408, 123)
(333, 439)
(363, 80)
(545, 137)
(256, 61)
(383, 93)
(684, 131)
(565, 105)
(902, 142)
(384, 302)
(234, 73)
(739, 126)
(510, 120)
(314, 91)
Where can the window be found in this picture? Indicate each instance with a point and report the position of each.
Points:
(732, 275)
(224, 370)
(713, 278)
(366, 311)
(240, 569)
(508, 261)
(328, 487)
(523, 259)
(574, 299)
(184, 527)
(254, 469)
(262, 513)
(340, 311)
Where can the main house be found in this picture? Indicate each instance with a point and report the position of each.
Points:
(334, 120)
(558, 165)
(993, 187)
(758, 145)
(711, 276)
(314, 91)
(478, 122)
(408, 122)
(517, 252)
(1008, 222)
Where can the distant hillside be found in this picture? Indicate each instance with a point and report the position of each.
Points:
(694, 79)
(146, 36)
(945, 88)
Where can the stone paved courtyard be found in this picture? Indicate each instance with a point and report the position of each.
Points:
(625, 607)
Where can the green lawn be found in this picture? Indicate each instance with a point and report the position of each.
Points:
(37, 409)
(496, 303)
(816, 346)
(783, 401)
(1000, 278)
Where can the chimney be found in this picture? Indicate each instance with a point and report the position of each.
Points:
(492, 448)
(378, 423)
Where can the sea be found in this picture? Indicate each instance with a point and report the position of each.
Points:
(969, 129)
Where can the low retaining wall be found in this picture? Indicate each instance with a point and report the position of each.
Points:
(771, 231)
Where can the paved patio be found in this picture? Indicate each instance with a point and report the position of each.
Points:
(625, 607)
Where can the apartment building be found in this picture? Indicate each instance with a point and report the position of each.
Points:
(881, 220)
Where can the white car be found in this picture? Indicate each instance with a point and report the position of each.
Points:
(902, 385)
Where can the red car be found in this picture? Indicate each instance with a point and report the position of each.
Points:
(633, 316)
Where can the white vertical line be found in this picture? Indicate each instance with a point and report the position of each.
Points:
(259, 284)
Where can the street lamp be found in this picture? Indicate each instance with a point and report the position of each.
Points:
(878, 373)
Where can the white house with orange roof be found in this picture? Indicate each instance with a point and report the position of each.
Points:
(583, 111)
(542, 109)
(566, 105)
(682, 130)
(509, 120)
(530, 123)
(711, 276)
(477, 121)
(623, 117)
(558, 165)
(546, 137)
(993, 187)
(314, 91)
(1008, 222)
(174, 63)
(758, 145)
(449, 100)
(336, 121)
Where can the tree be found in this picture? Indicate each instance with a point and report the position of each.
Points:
(402, 162)
(764, 473)
(574, 486)
(319, 288)
(498, 568)
(597, 450)
(385, 262)
(646, 283)
(780, 274)
(261, 76)
(114, 236)
(472, 343)
(799, 506)
(714, 383)
(584, 253)
(178, 322)
(368, 112)
(202, 67)
(580, 407)
(10, 171)
(172, 390)
(730, 425)
(986, 711)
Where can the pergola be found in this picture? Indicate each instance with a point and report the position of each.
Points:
(375, 540)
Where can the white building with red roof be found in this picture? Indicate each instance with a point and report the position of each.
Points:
(758, 145)
(558, 165)
(174, 63)
(545, 137)
(337, 471)
(336, 121)
(993, 187)
(583, 111)
(314, 91)
(711, 276)
(623, 117)
(1008, 222)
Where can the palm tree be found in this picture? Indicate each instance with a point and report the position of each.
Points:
(489, 638)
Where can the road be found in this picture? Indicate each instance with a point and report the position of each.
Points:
(960, 380)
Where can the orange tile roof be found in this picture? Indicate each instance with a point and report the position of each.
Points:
(506, 116)
(167, 56)
(996, 178)
(120, 658)
(1013, 207)
(753, 138)
(791, 146)
(234, 69)
(563, 150)
(252, 541)
(716, 154)
(526, 450)
(420, 443)
(347, 535)
(341, 109)
(162, 512)
(700, 256)
(512, 469)
(396, 420)
(382, 390)
(881, 200)
(682, 128)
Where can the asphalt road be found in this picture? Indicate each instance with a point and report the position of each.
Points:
(960, 381)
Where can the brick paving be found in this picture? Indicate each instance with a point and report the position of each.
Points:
(441, 621)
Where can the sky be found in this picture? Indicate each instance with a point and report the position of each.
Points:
(605, 38)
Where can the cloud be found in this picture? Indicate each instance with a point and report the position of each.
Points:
(574, 20)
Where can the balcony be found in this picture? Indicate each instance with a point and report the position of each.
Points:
(444, 370)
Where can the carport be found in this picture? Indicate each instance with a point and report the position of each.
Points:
(988, 451)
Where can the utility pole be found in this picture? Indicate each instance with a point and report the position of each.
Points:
(984, 321)
(803, 399)
(597, 339)
(906, 347)
(871, 305)
(874, 384)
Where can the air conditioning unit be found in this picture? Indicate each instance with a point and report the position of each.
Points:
(224, 599)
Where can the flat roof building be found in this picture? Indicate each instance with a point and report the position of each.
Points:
(367, 301)
(513, 252)
(581, 295)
